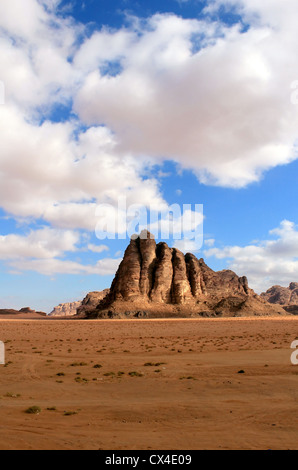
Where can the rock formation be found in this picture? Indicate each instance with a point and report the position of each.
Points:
(157, 281)
(287, 297)
(91, 301)
(282, 295)
(25, 312)
(29, 311)
(65, 310)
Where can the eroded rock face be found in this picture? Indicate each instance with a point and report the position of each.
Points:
(181, 289)
(163, 275)
(157, 273)
(65, 310)
(159, 280)
(147, 248)
(195, 275)
(282, 295)
(126, 285)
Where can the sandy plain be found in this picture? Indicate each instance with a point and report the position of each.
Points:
(149, 384)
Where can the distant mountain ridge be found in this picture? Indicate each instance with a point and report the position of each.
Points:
(287, 297)
(25, 312)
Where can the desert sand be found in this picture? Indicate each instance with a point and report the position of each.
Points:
(149, 384)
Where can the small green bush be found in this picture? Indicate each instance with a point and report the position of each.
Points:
(33, 410)
(135, 374)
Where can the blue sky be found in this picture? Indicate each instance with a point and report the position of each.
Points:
(173, 102)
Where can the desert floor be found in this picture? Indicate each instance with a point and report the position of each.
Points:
(162, 385)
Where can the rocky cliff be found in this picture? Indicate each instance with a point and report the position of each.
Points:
(282, 295)
(287, 297)
(91, 302)
(154, 280)
(65, 310)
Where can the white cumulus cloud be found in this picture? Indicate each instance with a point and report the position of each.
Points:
(49, 267)
(268, 262)
(214, 99)
(45, 251)
(44, 243)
